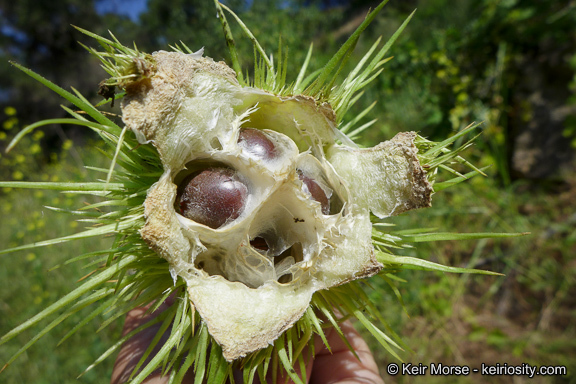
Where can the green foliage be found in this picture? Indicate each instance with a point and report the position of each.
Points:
(522, 316)
(467, 61)
(34, 279)
(38, 35)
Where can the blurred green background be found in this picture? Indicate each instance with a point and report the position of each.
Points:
(508, 63)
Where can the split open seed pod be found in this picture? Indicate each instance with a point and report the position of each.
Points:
(193, 111)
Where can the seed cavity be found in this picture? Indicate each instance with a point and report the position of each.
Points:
(279, 242)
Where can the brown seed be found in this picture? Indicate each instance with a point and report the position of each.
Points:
(212, 197)
(260, 244)
(257, 143)
(316, 192)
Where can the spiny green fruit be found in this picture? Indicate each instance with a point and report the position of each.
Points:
(247, 201)
(193, 110)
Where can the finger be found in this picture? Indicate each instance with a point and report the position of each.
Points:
(134, 348)
(341, 366)
(283, 376)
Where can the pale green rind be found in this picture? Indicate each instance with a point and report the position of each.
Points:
(242, 331)
(386, 179)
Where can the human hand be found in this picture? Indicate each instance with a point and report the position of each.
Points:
(337, 367)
